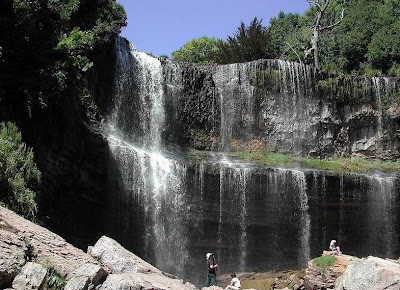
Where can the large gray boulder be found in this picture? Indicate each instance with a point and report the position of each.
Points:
(32, 276)
(143, 281)
(117, 259)
(128, 271)
(371, 273)
(85, 276)
(24, 241)
(11, 254)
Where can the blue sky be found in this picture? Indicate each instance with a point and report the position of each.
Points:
(163, 26)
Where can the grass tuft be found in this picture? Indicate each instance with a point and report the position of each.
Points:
(353, 164)
(325, 261)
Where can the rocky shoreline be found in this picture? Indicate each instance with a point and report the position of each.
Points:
(32, 256)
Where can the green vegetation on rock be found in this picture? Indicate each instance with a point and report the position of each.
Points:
(325, 261)
(353, 164)
(54, 280)
(19, 176)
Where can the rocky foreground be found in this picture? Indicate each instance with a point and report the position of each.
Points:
(31, 257)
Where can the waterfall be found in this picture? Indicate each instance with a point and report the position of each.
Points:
(236, 93)
(171, 205)
(305, 223)
(156, 180)
(378, 92)
(232, 225)
(382, 194)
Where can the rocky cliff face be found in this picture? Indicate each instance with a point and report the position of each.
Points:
(72, 154)
(283, 107)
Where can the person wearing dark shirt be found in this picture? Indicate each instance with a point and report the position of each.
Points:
(211, 270)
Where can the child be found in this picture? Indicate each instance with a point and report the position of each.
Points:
(235, 282)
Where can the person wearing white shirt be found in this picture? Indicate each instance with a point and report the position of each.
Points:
(235, 282)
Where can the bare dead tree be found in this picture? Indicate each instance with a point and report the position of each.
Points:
(317, 29)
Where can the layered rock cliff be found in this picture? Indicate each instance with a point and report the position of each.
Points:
(283, 107)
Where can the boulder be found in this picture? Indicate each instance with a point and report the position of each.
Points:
(117, 259)
(371, 273)
(32, 276)
(12, 254)
(88, 274)
(25, 241)
(144, 281)
(325, 278)
(78, 283)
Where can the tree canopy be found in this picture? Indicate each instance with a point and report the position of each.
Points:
(248, 43)
(48, 45)
(19, 177)
(363, 38)
(197, 50)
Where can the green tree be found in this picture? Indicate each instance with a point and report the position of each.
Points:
(198, 50)
(289, 36)
(354, 34)
(384, 48)
(48, 45)
(248, 43)
(19, 176)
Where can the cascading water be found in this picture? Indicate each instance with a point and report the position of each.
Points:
(300, 181)
(382, 194)
(236, 93)
(171, 206)
(156, 181)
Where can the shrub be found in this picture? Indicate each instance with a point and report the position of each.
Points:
(19, 176)
(54, 280)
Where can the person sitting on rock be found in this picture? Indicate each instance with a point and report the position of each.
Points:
(235, 282)
(334, 248)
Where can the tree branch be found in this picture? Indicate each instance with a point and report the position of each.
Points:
(291, 47)
(312, 2)
(334, 24)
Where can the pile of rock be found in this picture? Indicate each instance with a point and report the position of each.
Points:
(352, 273)
(28, 251)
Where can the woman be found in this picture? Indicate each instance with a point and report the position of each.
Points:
(235, 282)
(334, 248)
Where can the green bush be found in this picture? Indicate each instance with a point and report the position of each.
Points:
(54, 280)
(19, 176)
(325, 261)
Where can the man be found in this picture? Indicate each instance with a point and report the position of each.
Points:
(211, 270)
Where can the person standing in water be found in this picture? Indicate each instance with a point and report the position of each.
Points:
(211, 270)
